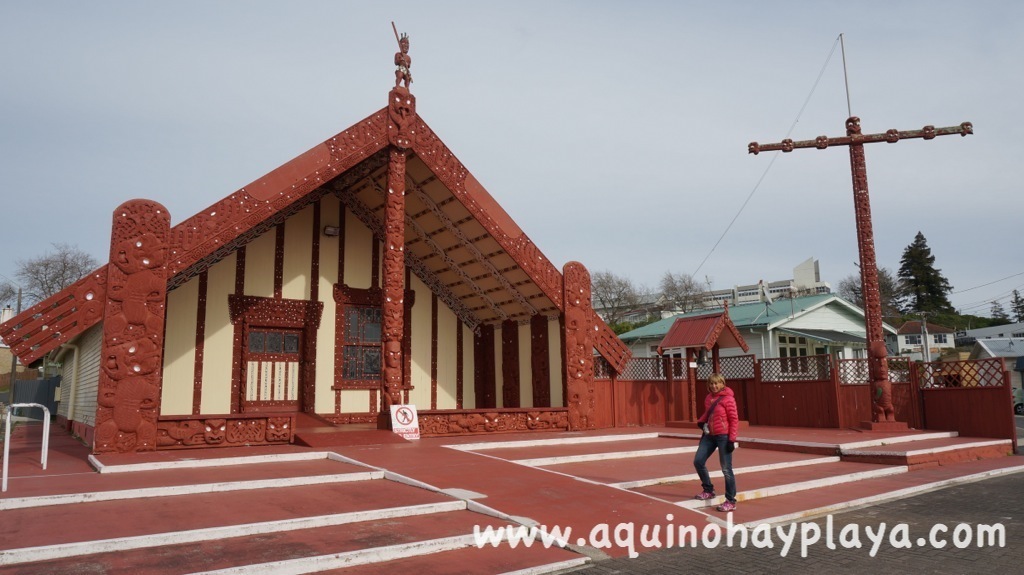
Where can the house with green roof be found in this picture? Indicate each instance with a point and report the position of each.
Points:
(792, 327)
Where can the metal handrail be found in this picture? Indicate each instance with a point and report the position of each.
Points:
(7, 435)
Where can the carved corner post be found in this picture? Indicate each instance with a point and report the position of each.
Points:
(401, 112)
(579, 346)
(128, 398)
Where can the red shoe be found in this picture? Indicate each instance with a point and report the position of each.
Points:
(727, 506)
(705, 495)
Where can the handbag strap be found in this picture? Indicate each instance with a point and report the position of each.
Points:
(712, 408)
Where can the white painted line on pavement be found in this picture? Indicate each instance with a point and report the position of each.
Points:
(221, 487)
(736, 470)
(543, 461)
(65, 550)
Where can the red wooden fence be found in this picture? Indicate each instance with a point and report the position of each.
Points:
(971, 397)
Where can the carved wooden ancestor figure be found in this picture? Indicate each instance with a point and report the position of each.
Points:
(579, 346)
(403, 62)
(394, 281)
(133, 329)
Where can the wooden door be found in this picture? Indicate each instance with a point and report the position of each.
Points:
(272, 363)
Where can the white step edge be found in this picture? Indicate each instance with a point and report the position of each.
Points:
(214, 462)
(348, 558)
(541, 442)
(855, 444)
(736, 470)
(79, 548)
(543, 461)
(810, 514)
(192, 489)
(550, 567)
(944, 448)
(797, 486)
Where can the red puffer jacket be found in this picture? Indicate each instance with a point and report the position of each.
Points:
(725, 419)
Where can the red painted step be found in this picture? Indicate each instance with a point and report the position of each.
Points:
(251, 552)
(473, 561)
(816, 502)
(763, 480)
(127, 518)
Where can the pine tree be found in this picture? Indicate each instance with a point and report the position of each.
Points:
(998, 313)
(925, 287)
(1017, 306)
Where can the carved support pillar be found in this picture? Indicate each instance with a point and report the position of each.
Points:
(394, 282)
(401, 113)
(128, 398)
(579, 346)
(881, 388)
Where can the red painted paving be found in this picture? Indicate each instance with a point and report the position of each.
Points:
(685, 490)
(125, 518)
(623, 470)
(267, 548)
(580, 448)
(549, 496)
(877, 488)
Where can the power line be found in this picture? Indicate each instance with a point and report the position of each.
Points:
(988, 284)
(774, 157)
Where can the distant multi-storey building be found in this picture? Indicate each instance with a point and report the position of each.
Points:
(806, 281)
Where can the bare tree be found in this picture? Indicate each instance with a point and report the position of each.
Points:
(8, 293)
(682, 292)
(888, 291)
(614, 297)
(43, 276)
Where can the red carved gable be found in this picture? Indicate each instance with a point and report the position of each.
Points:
(507, 276)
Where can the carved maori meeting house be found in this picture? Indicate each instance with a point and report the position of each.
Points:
(373, 269)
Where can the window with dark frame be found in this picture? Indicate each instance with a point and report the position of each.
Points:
(361, 350)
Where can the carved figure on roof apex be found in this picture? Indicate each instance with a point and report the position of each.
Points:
(402, 60)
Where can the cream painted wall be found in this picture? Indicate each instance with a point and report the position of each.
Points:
(179, 357)
(525, 367)
(220, 333)
(90, 345)
(358, 245)
(555, 357)
(326, 334)
(180, 350)
(298, 255)
(355, 401)
(448, 327)
(420, 364)
(259, 265)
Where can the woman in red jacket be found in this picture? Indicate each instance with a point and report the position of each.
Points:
(719, 425)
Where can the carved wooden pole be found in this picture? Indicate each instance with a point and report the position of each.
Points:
(128, 398)
(881, 388)
(401, 116)
(579, 346)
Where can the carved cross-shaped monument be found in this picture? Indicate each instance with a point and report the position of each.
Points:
(881, 388)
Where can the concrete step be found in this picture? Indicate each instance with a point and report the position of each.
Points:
(930, 453)
(768, 483)
(282, 550)
(184, 480)
(650, 470)
(503, 560)
(225, 512)
(819, 501)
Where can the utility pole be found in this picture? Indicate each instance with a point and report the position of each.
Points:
(14, 358)
(925, 352)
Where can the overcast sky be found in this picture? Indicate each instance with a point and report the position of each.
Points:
(615, 133)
